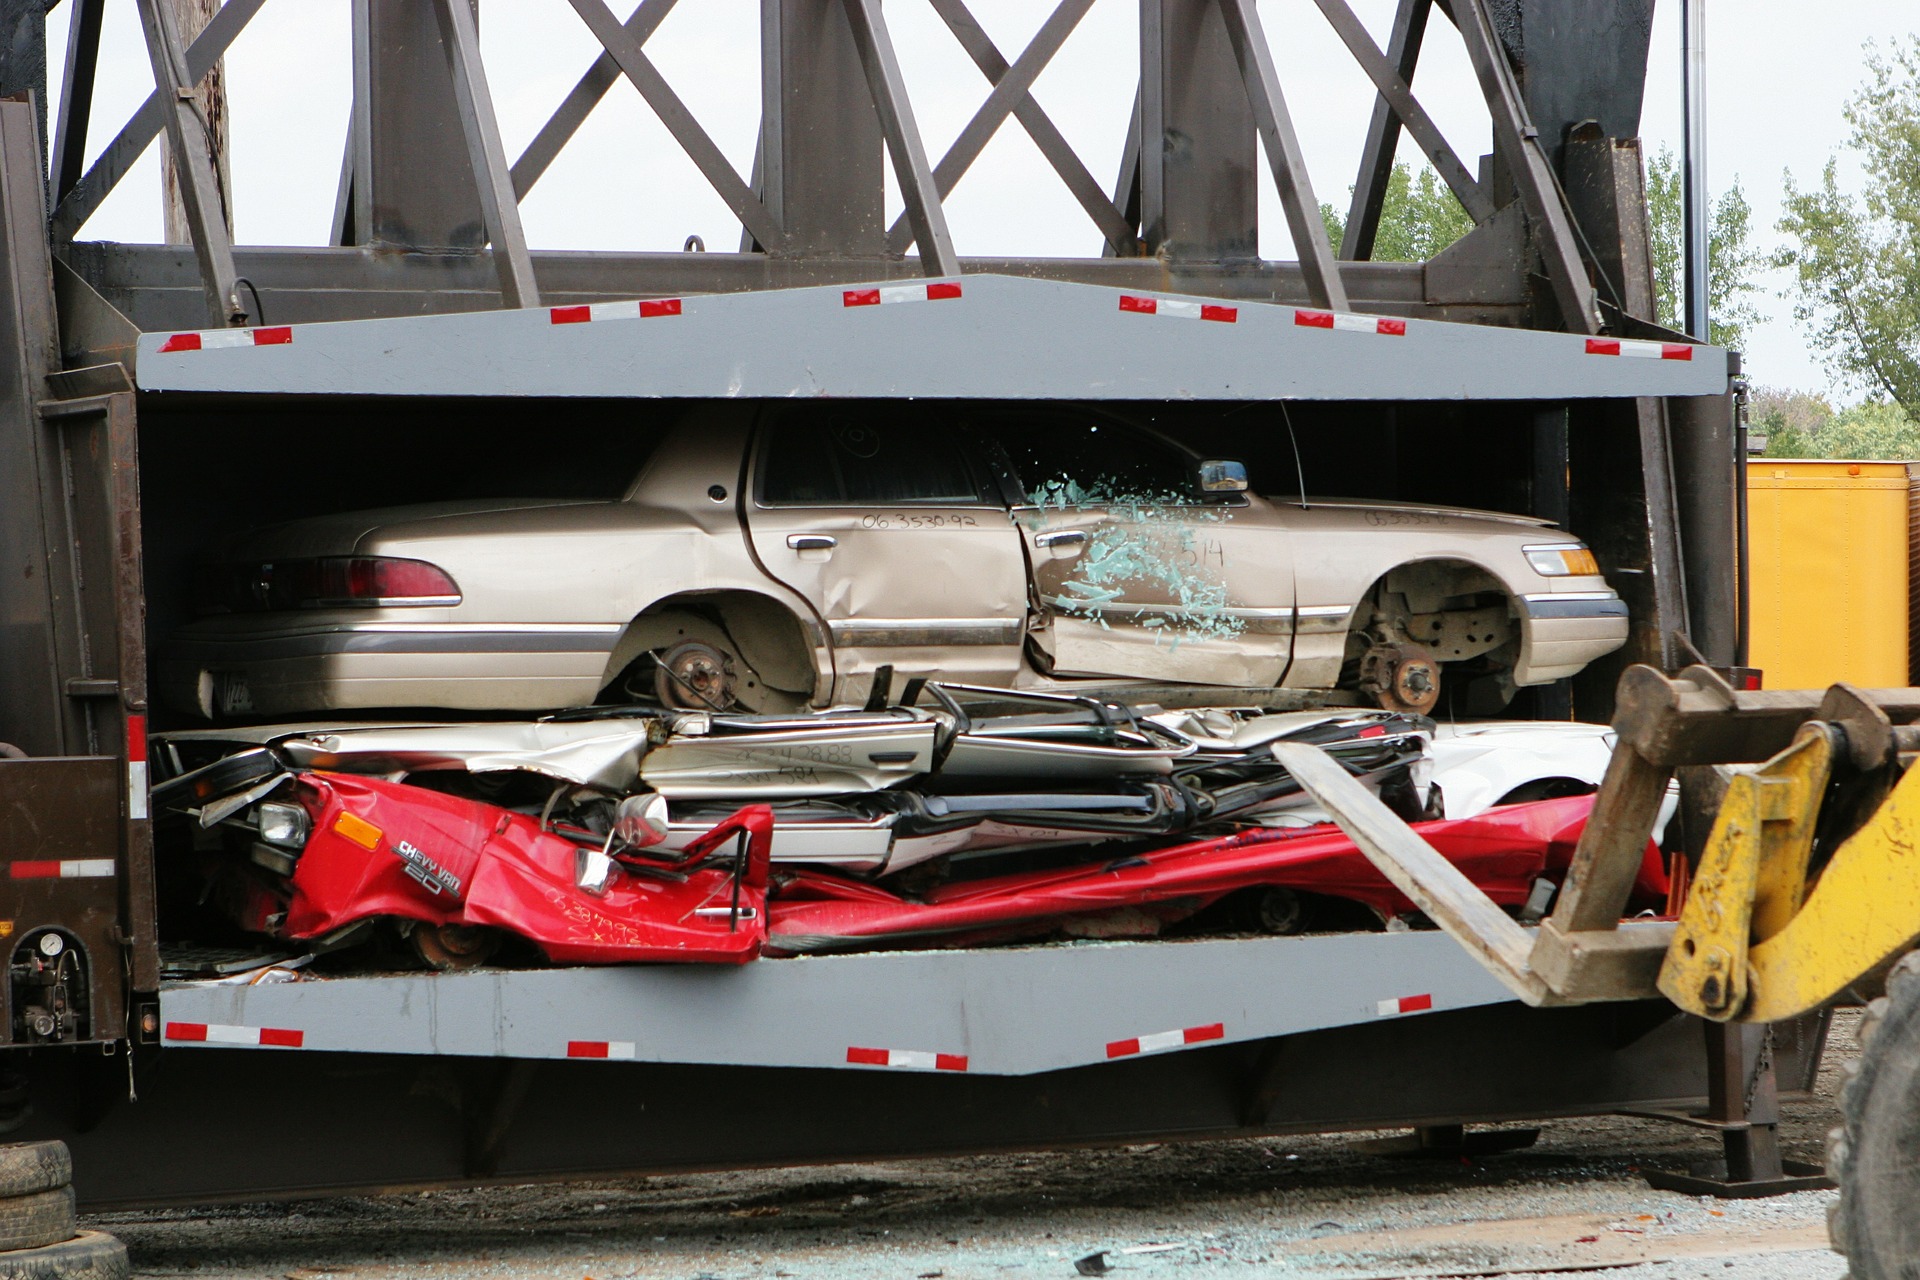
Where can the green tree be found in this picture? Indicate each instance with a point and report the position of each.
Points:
(1857, 262)
(1799, 425)
(1731, 261)
(1418, 218)
(1788, 421)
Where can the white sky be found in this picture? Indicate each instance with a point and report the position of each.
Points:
(1778, 76)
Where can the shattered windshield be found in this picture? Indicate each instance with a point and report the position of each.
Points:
(1080, 460)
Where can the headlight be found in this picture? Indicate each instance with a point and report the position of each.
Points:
(283, 824)
(1562, 560)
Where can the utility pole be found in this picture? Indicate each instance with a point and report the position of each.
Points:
(190, 16)
(1693, 93)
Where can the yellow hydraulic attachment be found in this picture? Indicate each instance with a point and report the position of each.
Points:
(1806, 775)
(1753, 944)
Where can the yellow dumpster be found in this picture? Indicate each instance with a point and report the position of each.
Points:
(1828, 544)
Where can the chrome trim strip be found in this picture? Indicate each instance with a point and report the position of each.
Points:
(1322, 619)
(1575, 604)
(1572, 595)
(850, 633)
(428, 638)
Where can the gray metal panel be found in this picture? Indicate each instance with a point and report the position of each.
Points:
(1004, 337)
(1007, 1011)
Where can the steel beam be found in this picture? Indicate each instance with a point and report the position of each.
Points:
(823, 171)
(582, 99)
(1126, 186)
(1114, 227)
(192, 149)
(909, 154)
(498, 206)
(76, 94)
(1199, 167)
(42, 647)
(1407, 109)
(1519, 142)
(23, 55)
(625, 50)
(1383, 135)
(1004, 337)
(1289, 165)
(368, 1130)
(86, 195)
(156, 290)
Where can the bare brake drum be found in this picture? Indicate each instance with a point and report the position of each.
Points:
(695, 676)
(1401, 677)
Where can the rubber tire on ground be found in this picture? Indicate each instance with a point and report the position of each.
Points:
(1875, 1153)
(30, 1167)
(31, 1222)
(91, 1255)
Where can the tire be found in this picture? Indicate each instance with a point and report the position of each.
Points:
(38, 1220)
(1875, 1153)
(27, 1168)
(91, 1255)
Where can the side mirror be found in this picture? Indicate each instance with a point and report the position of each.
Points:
(640, 821)
(1220, 475)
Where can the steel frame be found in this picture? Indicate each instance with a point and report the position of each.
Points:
(833, 100)
(233, 1124)
(994, 1011)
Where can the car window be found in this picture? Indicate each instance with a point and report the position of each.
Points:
(844, 459)
(1064, 459)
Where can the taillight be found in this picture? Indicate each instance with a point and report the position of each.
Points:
(330, 582)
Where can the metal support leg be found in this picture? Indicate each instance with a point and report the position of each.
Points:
(1743, 1103)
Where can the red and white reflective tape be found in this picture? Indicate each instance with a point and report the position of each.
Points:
(1644, 350)
(591, 311)
(1178, 308)
(1385, 326)
(61, 869)
(136, 767)
(907, 1059)
(1405, 1004)
(214, 1033)
(938, 291)
(210, 339)
(616, 1050)
(1166, 1040)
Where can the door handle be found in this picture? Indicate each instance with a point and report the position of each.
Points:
(812, 541)
(1060, 538)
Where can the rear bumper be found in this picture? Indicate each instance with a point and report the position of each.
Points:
(349, 666)
(1561, 633)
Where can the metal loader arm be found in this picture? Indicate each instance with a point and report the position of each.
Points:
(1751, 944)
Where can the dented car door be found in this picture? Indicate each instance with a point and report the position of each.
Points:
(1135, 572)
(898, 537)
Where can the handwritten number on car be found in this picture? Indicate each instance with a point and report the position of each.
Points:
(910, 520)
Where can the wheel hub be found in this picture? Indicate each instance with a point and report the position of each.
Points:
(694, 676)
(1401, 677)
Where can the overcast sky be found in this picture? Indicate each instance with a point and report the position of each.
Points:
(1779, 74)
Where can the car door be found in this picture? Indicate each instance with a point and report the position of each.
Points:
(1137, 574)
(897, 535)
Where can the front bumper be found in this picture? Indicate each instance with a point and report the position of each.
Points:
(1561, 632)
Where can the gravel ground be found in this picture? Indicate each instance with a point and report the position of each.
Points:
(1572, 1205)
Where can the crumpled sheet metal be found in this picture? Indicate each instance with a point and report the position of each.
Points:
(819, 760)
(1503, 851)
(385, 849)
